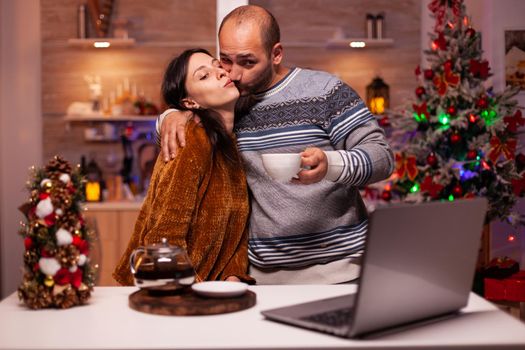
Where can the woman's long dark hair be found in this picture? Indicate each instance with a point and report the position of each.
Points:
(174, 91)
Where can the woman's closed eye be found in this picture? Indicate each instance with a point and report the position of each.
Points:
(204, 76)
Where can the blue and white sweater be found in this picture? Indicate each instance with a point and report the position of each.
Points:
(299, 226)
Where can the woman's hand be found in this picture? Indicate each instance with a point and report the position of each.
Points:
(233, 279)
(316, 164)
(173, 133)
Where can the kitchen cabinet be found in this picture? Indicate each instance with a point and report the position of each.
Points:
(113, 223)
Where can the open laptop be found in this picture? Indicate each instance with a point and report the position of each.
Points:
(419, 263)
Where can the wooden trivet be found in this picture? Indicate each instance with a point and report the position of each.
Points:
(186, 303)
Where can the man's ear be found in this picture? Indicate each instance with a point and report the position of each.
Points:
(190, 104)
(277, 53)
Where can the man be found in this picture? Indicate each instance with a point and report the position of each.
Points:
(298, 234)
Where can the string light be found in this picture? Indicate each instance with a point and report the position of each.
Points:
(511, 238)
(451, 198)
(444, 119)
(415, 188)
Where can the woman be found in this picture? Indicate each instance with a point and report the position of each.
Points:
(199, 201)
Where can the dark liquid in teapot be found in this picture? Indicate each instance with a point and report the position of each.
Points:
(163, 270)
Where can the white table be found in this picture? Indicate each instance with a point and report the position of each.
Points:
(108, 323)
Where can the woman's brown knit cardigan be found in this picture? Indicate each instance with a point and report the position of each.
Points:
(199, 202)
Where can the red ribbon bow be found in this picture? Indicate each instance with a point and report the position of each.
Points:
(406, 165)
(440, 7)
(421, 110)
(508, 148)
(447, 78)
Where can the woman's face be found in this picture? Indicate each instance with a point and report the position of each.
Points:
(208, 84)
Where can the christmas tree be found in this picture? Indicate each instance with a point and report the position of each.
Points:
(57, 269)
(458, 139)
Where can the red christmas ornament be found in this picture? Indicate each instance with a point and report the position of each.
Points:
(432, 159)
(82, 245)
(451, 110)
(420, 91)
(455, 138)
(440, 42)
(386, 196)
(482, 103)
(457, 191)
(472, 154)
(470, 32)
(384, 121)
(429, 74)
(28, 243)
(447, 65)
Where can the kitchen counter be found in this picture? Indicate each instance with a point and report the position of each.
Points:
(114, 205)
(108, 323)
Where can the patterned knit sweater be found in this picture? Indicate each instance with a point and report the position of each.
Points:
(302, 227)
(200, 203)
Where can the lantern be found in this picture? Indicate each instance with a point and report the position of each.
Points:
(94, 182)
(93, 191)
(377, 96)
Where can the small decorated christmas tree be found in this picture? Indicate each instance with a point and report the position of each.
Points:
(458, 139)
(57, 270)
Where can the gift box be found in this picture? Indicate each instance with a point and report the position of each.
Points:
(509, 289)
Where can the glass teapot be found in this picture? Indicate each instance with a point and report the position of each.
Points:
(161, 267)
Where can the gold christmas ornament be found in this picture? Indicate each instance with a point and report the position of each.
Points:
(49, 281)
(47, 185)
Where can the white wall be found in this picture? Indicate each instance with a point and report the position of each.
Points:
(223, 8)
(20, 126)
(492, 18)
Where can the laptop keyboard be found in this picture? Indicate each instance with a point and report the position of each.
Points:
(335, 318)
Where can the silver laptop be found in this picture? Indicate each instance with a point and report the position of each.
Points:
(419, 264)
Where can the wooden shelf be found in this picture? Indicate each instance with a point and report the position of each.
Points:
(358, 43)
(109, 118)
(102, 43)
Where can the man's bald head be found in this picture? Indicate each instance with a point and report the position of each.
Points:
(264, 20)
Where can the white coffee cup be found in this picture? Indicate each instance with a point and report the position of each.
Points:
(282, 166)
